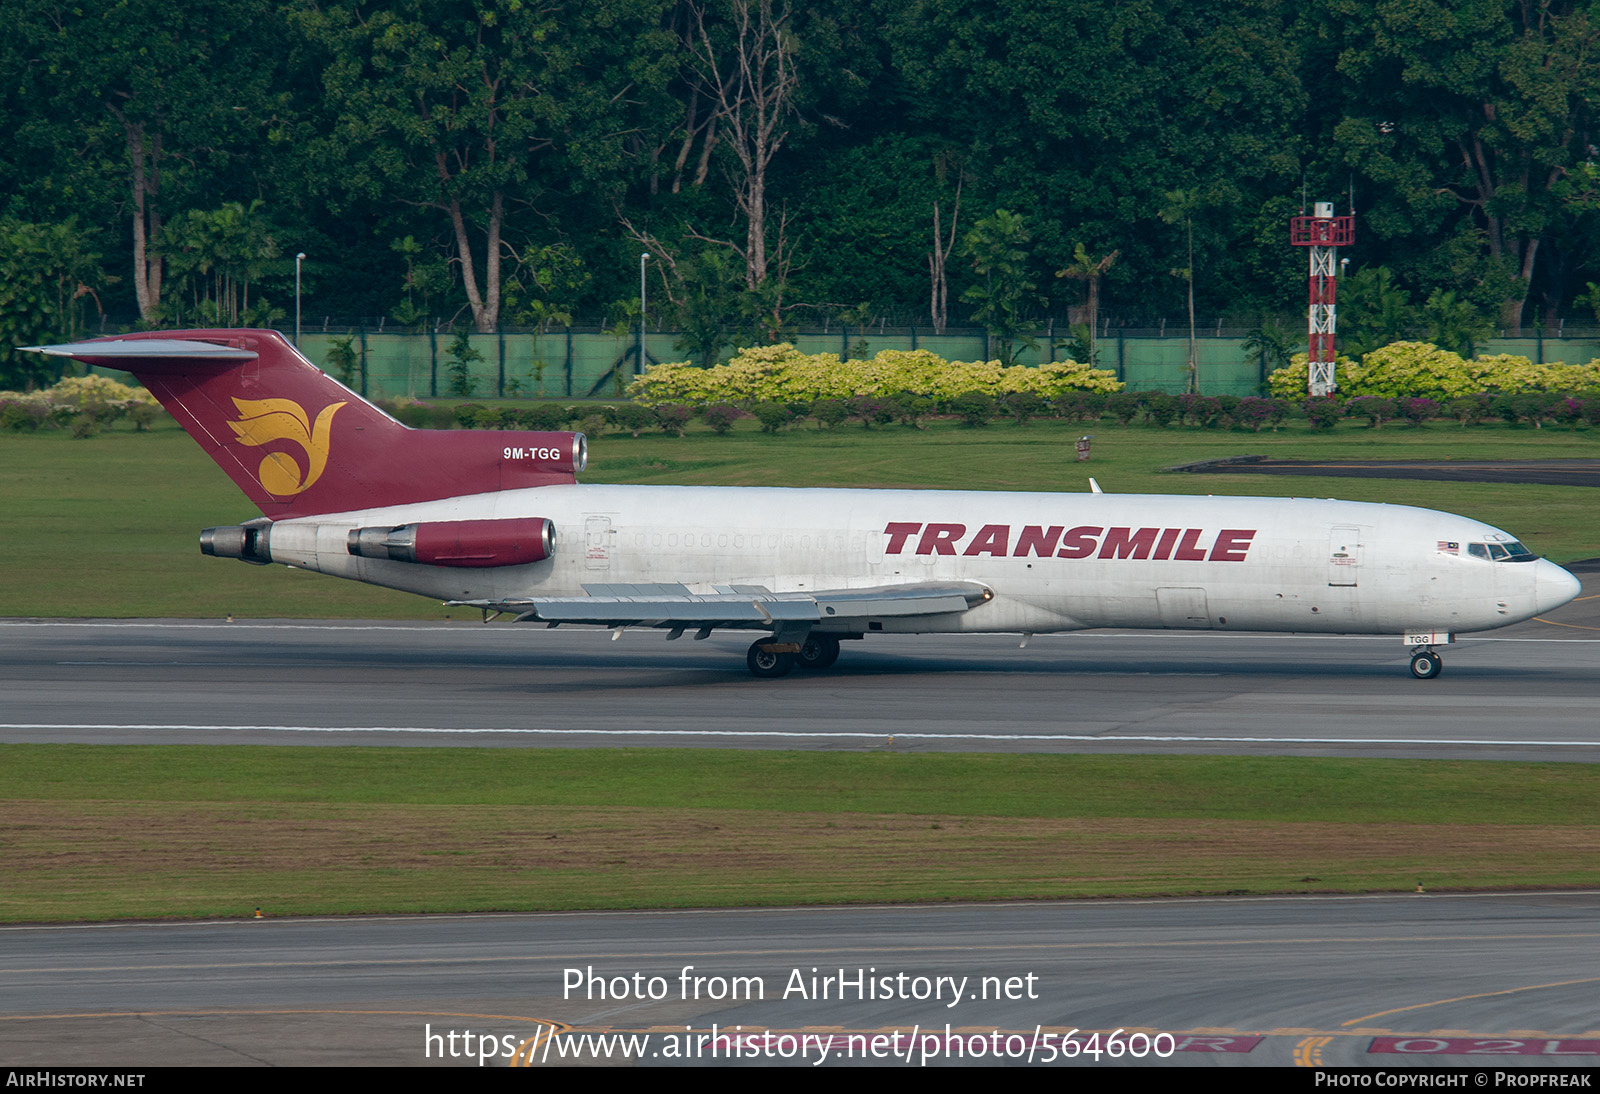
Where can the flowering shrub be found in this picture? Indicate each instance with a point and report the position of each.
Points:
(1420, 370)
(673, 418)
(1199, 409)
(721, 417)
(1416, 411)
(775, 416)
(635, 419)
(974, 407)
(1375, 410)
(782, 374)
(830, 412)
(1254, 413)
(23, 413)
(1290, 381)
(86, 403)
(1324, 412)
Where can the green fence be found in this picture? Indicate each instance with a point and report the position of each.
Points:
(581, 364)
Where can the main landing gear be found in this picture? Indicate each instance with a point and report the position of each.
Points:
(818, 652)
(1425, 664)
(769, 660)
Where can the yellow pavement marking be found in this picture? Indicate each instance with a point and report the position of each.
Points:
(1479, 995)
(1308, 1053)
(1556, 624)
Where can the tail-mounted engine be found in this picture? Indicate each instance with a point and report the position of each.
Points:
(250, 542)
(463, 543)
(474, 543)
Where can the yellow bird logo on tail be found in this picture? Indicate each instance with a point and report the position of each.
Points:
(262, 421)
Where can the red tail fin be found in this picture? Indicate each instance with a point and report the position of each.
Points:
(298, 442)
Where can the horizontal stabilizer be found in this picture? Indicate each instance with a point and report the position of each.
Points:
(144, 349)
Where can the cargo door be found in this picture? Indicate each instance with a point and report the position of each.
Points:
(1344, 557)
(1183, 608)
(597, 543)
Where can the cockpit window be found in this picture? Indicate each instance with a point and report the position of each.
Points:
(1509, 551)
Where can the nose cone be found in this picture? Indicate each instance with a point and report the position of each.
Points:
(1553, 586)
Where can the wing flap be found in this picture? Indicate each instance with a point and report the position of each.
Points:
(676, 606)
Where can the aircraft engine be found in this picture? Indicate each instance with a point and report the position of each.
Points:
(473, 543)
(250, 542)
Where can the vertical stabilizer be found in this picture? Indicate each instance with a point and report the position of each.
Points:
(298, 442)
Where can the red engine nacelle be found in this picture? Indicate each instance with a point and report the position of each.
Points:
(475, 543)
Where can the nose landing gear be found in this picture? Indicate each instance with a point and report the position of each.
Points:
(1425, 665)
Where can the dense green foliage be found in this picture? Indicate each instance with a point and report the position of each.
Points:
(1420, 370)
(498, 164)
(783, 374)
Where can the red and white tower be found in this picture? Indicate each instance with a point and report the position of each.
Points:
(1324, 233)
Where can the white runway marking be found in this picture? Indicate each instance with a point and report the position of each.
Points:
(462, 628)
(833, 735)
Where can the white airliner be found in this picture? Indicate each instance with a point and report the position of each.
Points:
(497, 520)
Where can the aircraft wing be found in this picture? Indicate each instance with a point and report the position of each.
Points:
(741, 607)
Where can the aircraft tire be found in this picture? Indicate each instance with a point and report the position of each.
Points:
(1425, 666)
(818, 652)
(766, 665)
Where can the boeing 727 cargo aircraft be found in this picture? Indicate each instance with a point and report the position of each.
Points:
(498, 520)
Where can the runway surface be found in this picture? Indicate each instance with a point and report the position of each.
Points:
(1526, 692)
(1382, 981)
(1379, 981)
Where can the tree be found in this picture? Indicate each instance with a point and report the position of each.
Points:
(706, 300)
(997, 247)
(427, 276)
(1476, 121)
(1085, 112)
(749, 77)
(48, 275)
(544, 285)
(1181, 207)
(462, 355)
(1454, 324)
(217, 256)
(461, 108)
(170, 99)
(939, 257)
(346, 361)
(1373, 311)
(1272, 344)
(1090, 270)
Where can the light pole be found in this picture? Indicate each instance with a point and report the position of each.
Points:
(643, 258)
(299, 258)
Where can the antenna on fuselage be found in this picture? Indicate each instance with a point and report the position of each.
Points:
(1094, 487)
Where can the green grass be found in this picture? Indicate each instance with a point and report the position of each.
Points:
(1172, 788)
(107, 526)
(157, 831)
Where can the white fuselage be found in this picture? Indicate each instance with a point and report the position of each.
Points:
(1055, 562)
